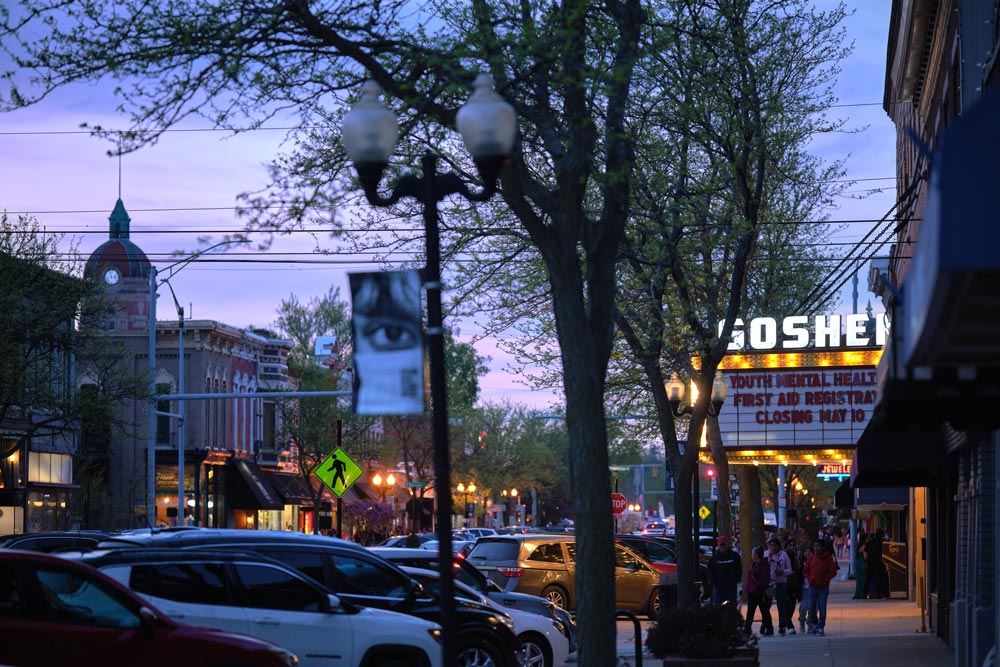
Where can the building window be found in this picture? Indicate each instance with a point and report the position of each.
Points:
(162, 421)
(48, 468)
(270, 425)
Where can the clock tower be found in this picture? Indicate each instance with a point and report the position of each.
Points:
(122, 267)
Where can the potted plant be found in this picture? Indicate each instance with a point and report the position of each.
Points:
(702, 636)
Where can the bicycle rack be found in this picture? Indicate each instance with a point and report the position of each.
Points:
(630, 615)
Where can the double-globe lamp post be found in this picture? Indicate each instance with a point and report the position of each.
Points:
(488, 126)
(675, 395)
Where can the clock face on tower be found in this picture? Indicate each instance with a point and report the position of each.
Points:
(111, 276)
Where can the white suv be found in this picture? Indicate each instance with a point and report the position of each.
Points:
(255, 595)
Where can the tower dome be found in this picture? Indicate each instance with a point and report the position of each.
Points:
(118, 258)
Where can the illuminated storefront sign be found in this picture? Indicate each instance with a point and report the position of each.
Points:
(838, 471)
(798, 332)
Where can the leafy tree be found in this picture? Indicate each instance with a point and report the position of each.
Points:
(311, 423)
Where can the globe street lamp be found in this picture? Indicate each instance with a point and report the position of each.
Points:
(465, 491)
(512, 495)
(383, 485)
(488, 126)
(675, 395)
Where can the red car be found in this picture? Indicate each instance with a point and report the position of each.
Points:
(58, 612)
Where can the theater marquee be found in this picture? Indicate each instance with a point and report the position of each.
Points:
(806, 406)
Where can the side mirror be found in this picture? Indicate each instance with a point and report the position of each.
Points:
(148, 620)
(331, 604)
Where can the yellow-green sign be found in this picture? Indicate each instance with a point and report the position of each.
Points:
(339, 472)
(703, 512)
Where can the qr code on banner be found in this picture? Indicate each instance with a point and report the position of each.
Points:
(409, 382)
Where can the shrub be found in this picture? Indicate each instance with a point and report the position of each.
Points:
(697, 632)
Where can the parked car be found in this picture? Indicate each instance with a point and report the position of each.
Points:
(356, 575)
(258, 596)
(657, 528)
(542, 642)
(475, 533)
(545, 565)
(54, 541)
(400, 540)
(661, 552)
(54, 611)
(466, 573)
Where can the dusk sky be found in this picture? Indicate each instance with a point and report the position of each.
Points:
(187, 185)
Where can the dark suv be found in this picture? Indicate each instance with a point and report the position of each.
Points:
(467, 573)
(484, 636)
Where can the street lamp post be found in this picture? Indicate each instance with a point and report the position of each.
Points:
(488, 126)
(512, 495)
(465, 491)
(383, 485)
(675, 395)
(152, 413)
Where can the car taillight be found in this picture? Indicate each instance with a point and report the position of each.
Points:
(510, 571)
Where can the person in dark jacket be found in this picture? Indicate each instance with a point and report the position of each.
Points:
(755, 587)
(725, 569)
(819, 570)
(874, 567)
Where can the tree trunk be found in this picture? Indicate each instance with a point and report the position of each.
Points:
(585, 342)
(723, 508)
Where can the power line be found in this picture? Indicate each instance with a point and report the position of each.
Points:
(247, 130)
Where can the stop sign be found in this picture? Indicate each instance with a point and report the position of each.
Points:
(618, 503)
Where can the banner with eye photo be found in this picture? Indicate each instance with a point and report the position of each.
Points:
(388, 343)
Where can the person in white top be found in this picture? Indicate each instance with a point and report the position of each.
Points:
(781, 567)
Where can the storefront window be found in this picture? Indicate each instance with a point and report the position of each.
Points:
(49, 510)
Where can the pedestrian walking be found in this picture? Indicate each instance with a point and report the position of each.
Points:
(725, 569)
(781, 567)
(820, 570)
(860, 567)
(756, 586)
(793, 588)
(806, 595)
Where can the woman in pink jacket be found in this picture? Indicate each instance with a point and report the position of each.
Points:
(819, 571)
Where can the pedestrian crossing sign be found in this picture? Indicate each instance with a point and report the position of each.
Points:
(703, 512)
(339, 472)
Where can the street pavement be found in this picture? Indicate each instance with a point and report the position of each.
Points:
(859, 633)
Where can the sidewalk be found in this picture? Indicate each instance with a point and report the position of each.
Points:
(859, 633)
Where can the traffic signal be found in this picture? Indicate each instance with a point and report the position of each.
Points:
(482, 440)
(710, 472)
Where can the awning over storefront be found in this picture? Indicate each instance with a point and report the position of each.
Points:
(882, 498)
(251, 489)
(913, 457)
(292, 488)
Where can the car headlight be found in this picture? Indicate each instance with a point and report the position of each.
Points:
(286, 656)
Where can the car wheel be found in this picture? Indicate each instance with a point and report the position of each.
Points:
(653, 609)
(535, 650)
(556, 596)
(479, 654)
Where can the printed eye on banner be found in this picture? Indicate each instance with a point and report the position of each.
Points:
(388, 343)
